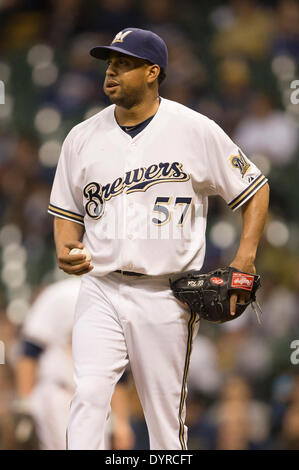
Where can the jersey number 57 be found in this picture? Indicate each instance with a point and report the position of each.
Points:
(162, 206)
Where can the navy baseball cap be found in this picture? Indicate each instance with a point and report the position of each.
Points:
(136, 42)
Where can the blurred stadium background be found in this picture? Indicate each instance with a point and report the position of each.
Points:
(233, 61)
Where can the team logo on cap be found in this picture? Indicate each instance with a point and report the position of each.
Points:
(240, 162)
(121, 36)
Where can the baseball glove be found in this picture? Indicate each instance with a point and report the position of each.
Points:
(209, 294)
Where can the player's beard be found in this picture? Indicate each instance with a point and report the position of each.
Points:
(127, 98)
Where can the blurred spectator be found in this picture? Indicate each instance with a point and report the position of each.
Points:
(280, 309)
(44, 374)
(17, 177)
(8, 334)
(234, 91)
(186, 75)
(287, 415)
(25, 157)
(290, 429)
(63, 20)
(110, 16)
(137, 418)
(37, 223)
(254, 357)
(7, 436)
(244, 28)
(204, 374)
(229, 343)
(221, 69)
(201, 434)
(12, 200)
(286, 37)
(241, 422)
(22, 22)
(78, 84)
(267, 131)
(281, 391)
(158, 12)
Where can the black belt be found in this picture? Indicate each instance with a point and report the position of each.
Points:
(128, 273)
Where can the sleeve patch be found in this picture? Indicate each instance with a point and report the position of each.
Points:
(240, 162)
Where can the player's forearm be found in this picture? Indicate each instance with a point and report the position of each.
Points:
(254, 215)
(66, 231)
(68, 235)
(122, 433)
(26, 369)
(120, 403)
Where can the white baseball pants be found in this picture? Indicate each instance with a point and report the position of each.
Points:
(50, 408)
(119, 319)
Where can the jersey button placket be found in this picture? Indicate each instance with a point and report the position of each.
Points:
(128, 206)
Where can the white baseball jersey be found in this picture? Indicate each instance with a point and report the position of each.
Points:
(144, 200)
(49, 324)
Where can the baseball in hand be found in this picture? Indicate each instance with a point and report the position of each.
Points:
(78, 251)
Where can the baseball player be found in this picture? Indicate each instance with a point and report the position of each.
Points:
(44, 372)
(131, 186)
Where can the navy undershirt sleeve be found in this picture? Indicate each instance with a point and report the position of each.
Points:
(124, 378)
(31, 349)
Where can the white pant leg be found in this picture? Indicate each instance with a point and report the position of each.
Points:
(50, 407)
(159, 333)
(100, 357)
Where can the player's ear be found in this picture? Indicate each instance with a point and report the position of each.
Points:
(153, 73)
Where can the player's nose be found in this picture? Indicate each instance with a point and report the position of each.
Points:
(110, 71)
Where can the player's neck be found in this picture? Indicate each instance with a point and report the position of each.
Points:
(138, 113)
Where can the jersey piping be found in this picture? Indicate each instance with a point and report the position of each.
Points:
(69, 215)
(146, 128)
(183, 390)
(248, 192)
(132, 131)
